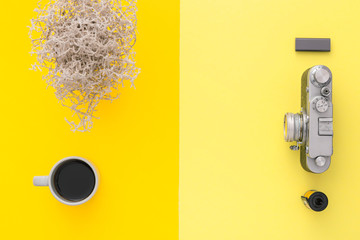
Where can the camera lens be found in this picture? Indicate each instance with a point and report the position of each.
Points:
(293, 127)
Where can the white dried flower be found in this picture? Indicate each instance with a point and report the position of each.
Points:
(86, 47)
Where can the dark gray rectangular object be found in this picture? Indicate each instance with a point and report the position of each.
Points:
(312, 44)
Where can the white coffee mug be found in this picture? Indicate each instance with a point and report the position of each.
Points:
(49, 181)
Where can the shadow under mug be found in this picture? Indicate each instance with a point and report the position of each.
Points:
(73, 179)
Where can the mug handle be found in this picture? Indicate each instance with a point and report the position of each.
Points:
(41, 181)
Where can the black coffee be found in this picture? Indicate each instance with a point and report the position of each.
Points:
(74, 180)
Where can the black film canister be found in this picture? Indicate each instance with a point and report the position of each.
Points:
(315, 200)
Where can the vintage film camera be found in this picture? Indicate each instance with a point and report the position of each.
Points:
(312, 128)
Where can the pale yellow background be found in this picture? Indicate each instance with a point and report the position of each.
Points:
(134, 144)
(239, 75)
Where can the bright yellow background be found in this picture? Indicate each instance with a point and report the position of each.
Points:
(239, 75)
(134, 145)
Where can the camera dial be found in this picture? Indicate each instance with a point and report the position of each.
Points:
(320, 104)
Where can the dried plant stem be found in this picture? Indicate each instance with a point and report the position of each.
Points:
(87, 48)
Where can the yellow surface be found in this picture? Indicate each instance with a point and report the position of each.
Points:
(134, 144)
(239, 75)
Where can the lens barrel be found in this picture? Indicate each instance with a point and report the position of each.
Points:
(293, 127)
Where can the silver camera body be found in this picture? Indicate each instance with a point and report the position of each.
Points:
(312, 128)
